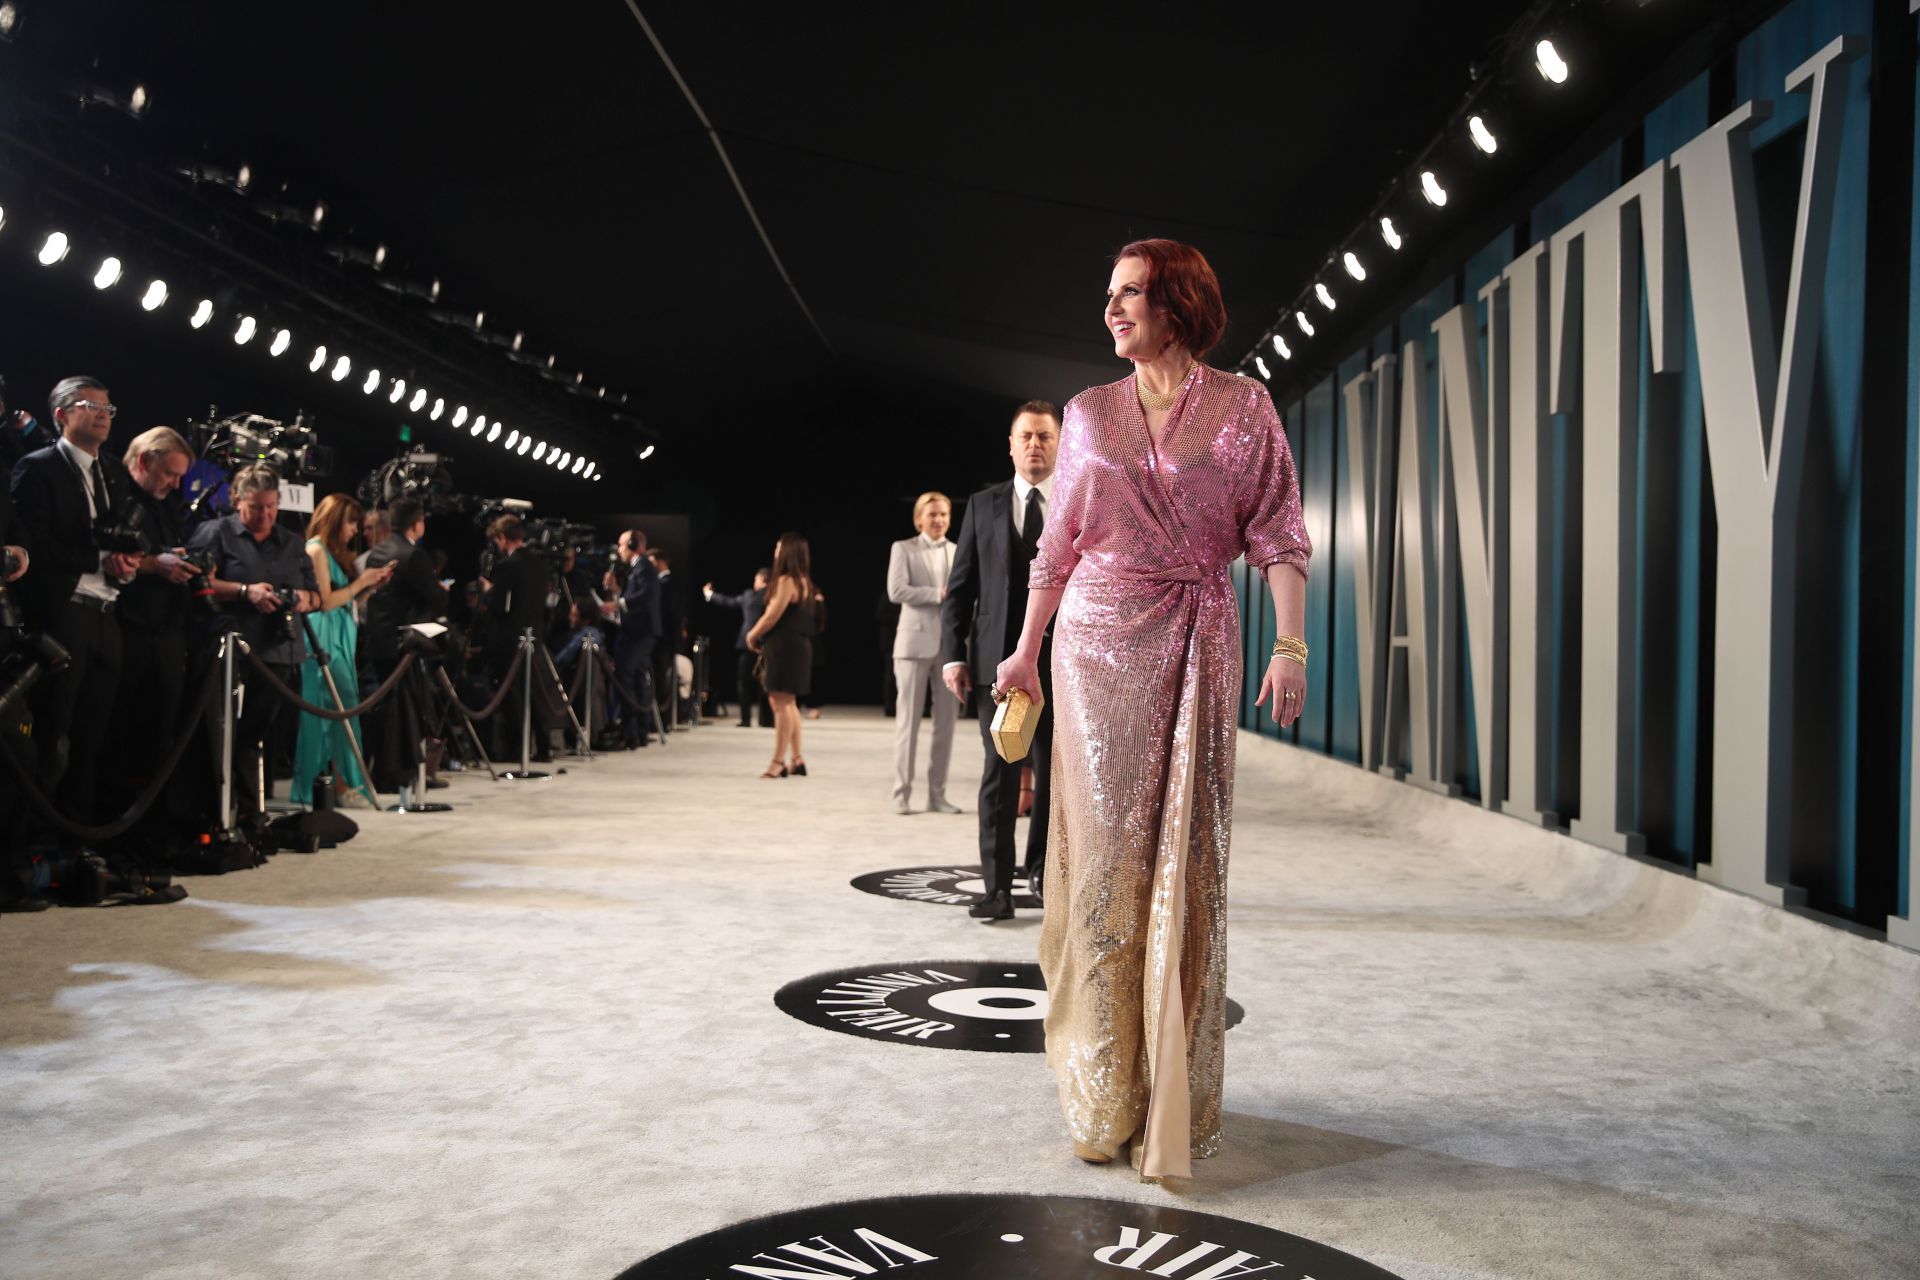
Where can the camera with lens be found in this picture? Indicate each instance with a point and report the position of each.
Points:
(417, 474)
(119, 537)
(292, 449)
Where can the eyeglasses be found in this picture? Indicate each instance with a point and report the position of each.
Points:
(109, 409)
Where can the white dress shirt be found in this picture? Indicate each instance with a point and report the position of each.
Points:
(1019, 504)
(93, 584)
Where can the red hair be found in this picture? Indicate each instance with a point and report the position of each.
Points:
(1181, 282)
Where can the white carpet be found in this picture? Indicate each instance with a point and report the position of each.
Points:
(536, 1036)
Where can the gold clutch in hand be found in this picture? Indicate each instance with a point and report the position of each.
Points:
(1013, 726)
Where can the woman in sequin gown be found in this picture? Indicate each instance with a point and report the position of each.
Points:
(1165, 478)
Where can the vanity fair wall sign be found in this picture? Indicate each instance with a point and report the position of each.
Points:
(1000, 1237)
(996, 1006)
(947, 886)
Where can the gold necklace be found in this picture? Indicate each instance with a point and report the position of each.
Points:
(1158, 402)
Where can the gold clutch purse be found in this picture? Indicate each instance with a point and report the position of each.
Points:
(1013, 725)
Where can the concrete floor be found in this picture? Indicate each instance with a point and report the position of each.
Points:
(536, 1036)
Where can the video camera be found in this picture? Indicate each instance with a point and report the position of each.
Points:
(416, 474)
(553, 535)
(227, 444)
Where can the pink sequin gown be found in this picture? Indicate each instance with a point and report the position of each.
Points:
(1146, 690)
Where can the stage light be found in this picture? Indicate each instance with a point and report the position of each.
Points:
(341, 368)
(243, 332)
(646, 453)
(518, 338)
(373, 381)
(1261, 365)
(135, 104)
(479, 424)
(375, 257)
(399, 391)
(428, 290)
(494, 434)
(1482, 136)
(577, 464)
(1388, 234)
(439, 407)
(281, 341)
(3, 216)
(1325, 295)
(55, 248)
(418, 402)
(479, 319)
(540, 451)
(108, 275)
(9, 22)
(1306, 325)
(319, 360)
(232, 179)
(1352, 263)
(1280, 345)
(202, 314)
(155, 297)
(279, 211)
(460, 416)
(513, 437)
(1550, 63)
(526, 443)
(1431, 188)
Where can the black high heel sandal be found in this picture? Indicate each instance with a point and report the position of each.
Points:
(775, 771)
(799, 769)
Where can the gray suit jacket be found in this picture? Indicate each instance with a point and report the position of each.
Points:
(915, 574)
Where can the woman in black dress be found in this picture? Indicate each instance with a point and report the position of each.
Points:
(784, 635)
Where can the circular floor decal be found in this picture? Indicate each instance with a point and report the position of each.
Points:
(948, 886)
(1001, 1237)
(988, 1005)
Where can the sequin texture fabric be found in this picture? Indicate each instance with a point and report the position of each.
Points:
(1146, 689)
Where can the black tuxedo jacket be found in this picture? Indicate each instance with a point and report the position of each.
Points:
(518, 599)
(50, 514)
(984, 604)
(413, 595)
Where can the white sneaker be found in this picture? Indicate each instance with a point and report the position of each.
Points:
(902, 808)
(941, 806)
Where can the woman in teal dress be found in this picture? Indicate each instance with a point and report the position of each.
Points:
(330, 534)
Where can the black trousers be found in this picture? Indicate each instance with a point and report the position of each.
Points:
(748, 689)
(666, 682)
(633, 661)
(1000, 796)
(72, 711)
(393, 727)
(147, 711)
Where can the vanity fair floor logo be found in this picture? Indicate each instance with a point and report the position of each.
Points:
(1000, 1237)
(948, 886)
(990, 1005)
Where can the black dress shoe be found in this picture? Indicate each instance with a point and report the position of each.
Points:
(997, 905)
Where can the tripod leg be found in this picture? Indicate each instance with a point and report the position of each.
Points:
(353, 739)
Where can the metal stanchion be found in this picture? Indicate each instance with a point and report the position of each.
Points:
(526, 772)
(589, 654)
(228, 646)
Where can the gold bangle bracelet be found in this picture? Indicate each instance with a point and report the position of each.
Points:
(1291, 647)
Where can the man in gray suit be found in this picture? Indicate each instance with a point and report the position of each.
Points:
(917, 581)
(986, 604)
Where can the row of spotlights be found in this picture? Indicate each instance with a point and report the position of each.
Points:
(1552, 67)
(57, 246)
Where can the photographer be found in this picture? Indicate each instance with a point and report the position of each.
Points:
(261, 579)
(155, 608)
(64, 497)
(636, 611)
(516, 600)
(413, 594)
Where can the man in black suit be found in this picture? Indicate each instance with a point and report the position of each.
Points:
(986, 603)
(751, 603)
(637, 610)
(61, 494)
(516, 596)
(412, 595)
(673, 624)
